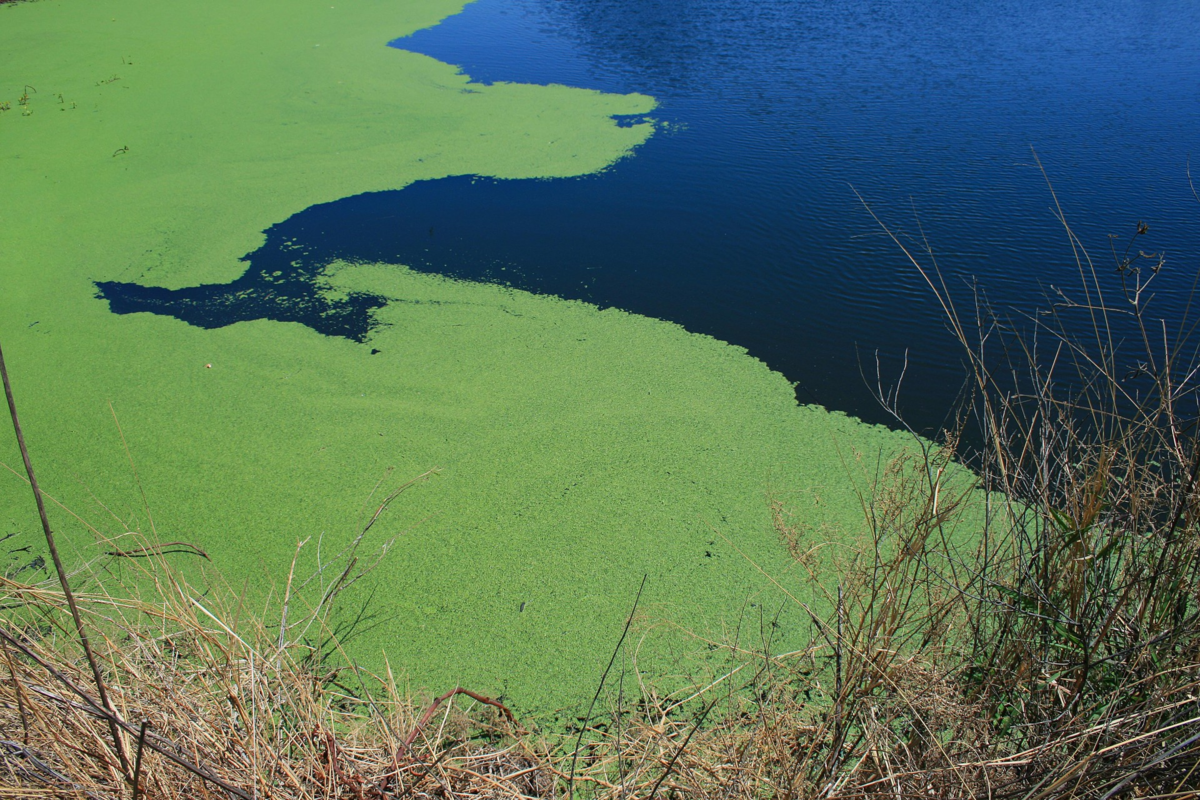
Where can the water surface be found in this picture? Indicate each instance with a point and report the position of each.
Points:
(740, 218)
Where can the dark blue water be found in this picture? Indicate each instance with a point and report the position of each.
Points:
(738, 219)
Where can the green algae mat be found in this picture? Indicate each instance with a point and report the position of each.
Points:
(579, 449)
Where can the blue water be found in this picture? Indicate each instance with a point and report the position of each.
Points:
(745, 212)
(738, 218)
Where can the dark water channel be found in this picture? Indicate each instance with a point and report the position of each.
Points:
(737, 219)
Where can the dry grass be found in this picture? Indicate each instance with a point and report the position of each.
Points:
(1035, 636)
(889, 700)
(249, 719)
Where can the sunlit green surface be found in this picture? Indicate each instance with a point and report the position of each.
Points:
(579, 449)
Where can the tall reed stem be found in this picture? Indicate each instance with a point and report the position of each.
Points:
(118, 743)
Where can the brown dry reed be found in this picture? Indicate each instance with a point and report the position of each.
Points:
(1035, 634)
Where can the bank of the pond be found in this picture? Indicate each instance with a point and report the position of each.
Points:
(580, 449)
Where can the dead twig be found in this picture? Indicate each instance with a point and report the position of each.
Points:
(80, 630)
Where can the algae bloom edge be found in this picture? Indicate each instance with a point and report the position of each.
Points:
(580, 448)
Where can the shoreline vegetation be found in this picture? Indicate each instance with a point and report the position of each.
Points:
(1057, 655)
(1055, 652)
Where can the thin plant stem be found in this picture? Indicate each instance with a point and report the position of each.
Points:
(80, 630)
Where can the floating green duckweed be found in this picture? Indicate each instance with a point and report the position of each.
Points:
(580, 449)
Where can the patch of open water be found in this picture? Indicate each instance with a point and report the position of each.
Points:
(737, 219)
